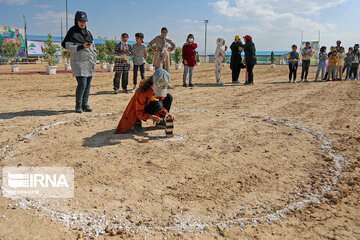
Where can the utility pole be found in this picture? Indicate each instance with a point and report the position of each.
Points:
(66, 16)
(206, 22)
(25, 26)
(61, 32)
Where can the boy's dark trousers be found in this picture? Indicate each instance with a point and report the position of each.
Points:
(142, 72)
(124, 80)
(347, 68)
(293, 71)
(305, 69)
(353, 71)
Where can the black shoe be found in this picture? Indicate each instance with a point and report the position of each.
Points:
(138, 128)
(184, 85)
(78, 109)
(247, 83)
(86, 108)
(191, 85)
(125, 91)
(235, 82)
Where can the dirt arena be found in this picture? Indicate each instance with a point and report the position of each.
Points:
(269, 161)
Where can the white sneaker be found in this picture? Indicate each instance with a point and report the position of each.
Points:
(133, 90)
(219, 82)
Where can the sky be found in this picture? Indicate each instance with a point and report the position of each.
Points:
(273, 24)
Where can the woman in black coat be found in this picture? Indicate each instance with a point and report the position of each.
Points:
(250, 57)
(235, 62)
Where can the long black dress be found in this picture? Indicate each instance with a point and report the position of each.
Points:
(235, 62)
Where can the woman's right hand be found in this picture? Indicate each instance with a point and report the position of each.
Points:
(155, 118)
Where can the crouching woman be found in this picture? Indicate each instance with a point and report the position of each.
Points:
(150, 101)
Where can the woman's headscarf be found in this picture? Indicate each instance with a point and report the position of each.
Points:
(76, 34)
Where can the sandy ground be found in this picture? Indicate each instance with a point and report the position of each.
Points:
(233, 173)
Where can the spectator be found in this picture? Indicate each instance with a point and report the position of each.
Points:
(235, 61)
(349, 58)
(306, 58)
(293, 58)
(79, 42)
(139, 55)
(250, 57)
(189, 59)
(122, 53)
(322, 63)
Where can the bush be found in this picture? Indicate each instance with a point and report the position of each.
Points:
(178, 55)
(50, 50)
(272, 57)
(9, 49)
(109, 48)
(101, 54)
(66, 55)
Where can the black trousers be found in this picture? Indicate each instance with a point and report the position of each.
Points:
(347, 67)
(293, 71)
(142, 72)
(236, 72)
(250, 68)
(354, 71)
(124, 80)
(305, 69)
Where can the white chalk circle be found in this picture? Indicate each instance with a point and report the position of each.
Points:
(100, 223)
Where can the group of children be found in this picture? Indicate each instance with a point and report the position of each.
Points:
(123, 51)
(332, 65)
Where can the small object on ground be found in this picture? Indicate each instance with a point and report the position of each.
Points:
(144, 140)
(169, 130)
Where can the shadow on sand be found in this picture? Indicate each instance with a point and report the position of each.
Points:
(35, 113)
(91, 94)
(110, 138)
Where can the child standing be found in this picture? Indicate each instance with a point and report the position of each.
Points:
(322, 63)
(189, 60)
(333, 62)
(355, 63)
(349, 58)
(122, 64)
(306, 53)
(139, 54)
(219, 57)
(327, 66)
(341, 64)
(293, 58)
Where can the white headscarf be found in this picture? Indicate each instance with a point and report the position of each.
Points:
(220, 41)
